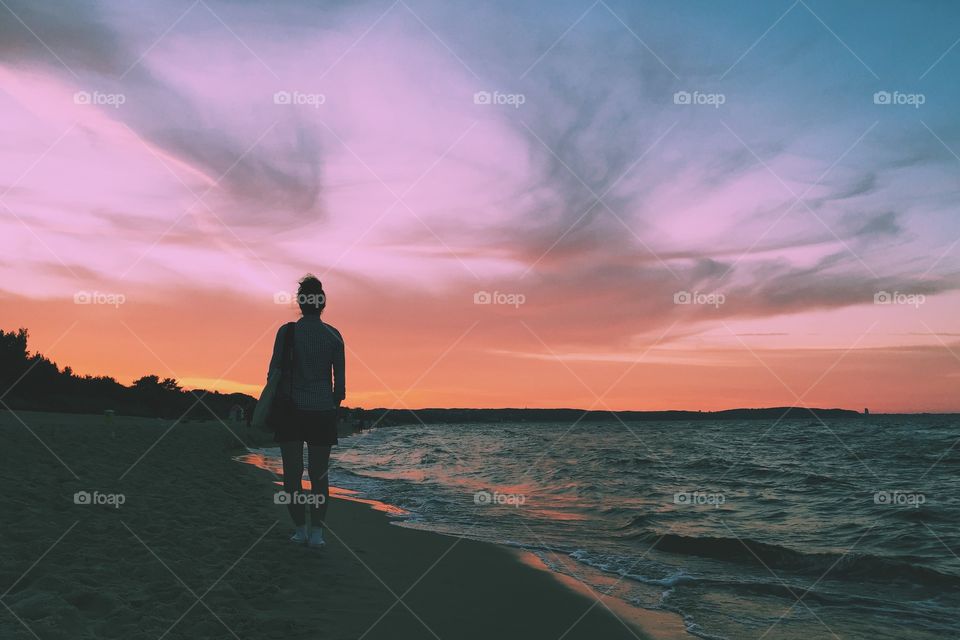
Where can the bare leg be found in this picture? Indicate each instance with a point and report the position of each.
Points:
(292, 454)
(319, 464)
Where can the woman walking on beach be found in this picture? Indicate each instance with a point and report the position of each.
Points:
(313, 371)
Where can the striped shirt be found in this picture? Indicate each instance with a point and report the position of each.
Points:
(317, 353)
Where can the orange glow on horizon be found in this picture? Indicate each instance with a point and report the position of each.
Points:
(410, 363)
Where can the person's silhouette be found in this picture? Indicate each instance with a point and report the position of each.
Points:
(315, 376)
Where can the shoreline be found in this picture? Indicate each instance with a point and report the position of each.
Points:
(646, 623)
(198, 548)
(657, 625)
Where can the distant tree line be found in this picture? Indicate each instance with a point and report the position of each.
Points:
(33, 382)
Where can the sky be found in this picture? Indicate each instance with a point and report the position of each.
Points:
(606, 205)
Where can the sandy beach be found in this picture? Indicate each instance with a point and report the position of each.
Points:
(177, 539)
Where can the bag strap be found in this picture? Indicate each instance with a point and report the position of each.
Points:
(286, 364)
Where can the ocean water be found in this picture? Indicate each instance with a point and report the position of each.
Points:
(746, 529)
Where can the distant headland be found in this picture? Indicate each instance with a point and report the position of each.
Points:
(380, 417)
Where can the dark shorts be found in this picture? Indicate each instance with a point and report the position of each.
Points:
(313, 427)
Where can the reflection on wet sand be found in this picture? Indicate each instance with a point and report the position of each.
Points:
(274, 466)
